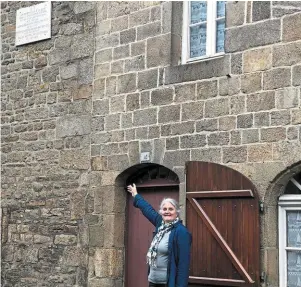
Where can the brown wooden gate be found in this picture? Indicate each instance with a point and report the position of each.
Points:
(222, 213)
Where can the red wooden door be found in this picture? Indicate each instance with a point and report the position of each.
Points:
(222, 213)
(140, 234)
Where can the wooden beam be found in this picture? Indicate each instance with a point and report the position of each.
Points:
(220, 193)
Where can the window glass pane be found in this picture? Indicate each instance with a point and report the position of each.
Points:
(220, 9)
(293, 268)
(197, 41)
(198, 11)
(220, 36)
(293, 228)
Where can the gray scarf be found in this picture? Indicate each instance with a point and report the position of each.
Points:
(153, 249)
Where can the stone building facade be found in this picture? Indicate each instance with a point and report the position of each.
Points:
(79, 108)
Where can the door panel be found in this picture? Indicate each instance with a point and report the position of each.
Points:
(223, 216)
(140, 234)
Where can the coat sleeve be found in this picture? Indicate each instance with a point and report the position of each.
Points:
(183, 260)
(147, 210)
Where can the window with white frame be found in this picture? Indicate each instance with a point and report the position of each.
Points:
(203, 29)
(289, 206)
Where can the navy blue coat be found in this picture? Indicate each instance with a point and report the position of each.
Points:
(179, 243)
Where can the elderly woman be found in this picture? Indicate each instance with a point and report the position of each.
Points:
(169, 253)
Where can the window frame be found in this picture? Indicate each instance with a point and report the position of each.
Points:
(287, 202)
(210, 33)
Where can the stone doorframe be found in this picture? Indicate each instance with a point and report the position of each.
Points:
(270, 249)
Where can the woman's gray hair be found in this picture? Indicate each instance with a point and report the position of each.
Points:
(173, 202)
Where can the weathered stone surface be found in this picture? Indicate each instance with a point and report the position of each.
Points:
(207, 154)
(235, 11)
(229, 86)
(261, 10)
(245, 121)
(214, 67)
(234, 154)
(257, 60)
(192, 141)
(251, 83)
(287, 55)
(273, 134)
(176, 158)
(280, 118)
(260, 101)
(147, 79)
(250, 136)
(185, 93)
(297, 75)
(145, 117)
(108, 262)
(73, 125)
(65, 239)
(134, 64)
(75, 159)
(260, 153)
(148, 30)
(192, 111)
(138, 48)
(216, 107)
(162, 96)
(242, 38)
(126, 83)
(276, 78)
(218, 139)
(128, 36)
(207, 89)
(169, 114)
(292, 27)
(158, 51)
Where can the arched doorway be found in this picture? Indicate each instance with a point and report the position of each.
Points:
(154, 182)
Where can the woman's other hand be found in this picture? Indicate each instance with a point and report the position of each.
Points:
(132, 189)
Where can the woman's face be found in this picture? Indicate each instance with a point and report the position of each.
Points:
(169, 212)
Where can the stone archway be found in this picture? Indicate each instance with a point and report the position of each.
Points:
(270, 247)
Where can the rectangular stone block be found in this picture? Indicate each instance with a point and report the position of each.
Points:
(134, 64)
(261, 10)
(147, 79)
(118, 162)
(113, 225)
(214, 67)
(162, 96)
(257, 60)
(169, 114)
(280, 118)
(96, 235)
(121, 52)
(128, 36)
(117, 104)
(260, 152)
(207, 125)
(237, 104)
(218, 139)
(273, 134)
(132, 102)
(145, 117)
(297, 75)
(138, 48)
(234, 154)
(287, 55)
(235, 11)
(276, 78)
(108, 262)
(242, 38)
(172, 143)
(260, 101)
(245, 121)
(207, 89)
(73, 126)
(192, 141)
(292, 28)
(101, 107)
(184, 93)
(126, 83)
(120, 23)
(229, 86)
(250, 136)
(148, 30)
(296, 117)
(106, 41)
(193, 111)
(75, 159)
(139, 18)
(251, 83)
(158, 51)
(216, 108)
(261, 119)
(176, 158)
(207, 154)
(112, 122)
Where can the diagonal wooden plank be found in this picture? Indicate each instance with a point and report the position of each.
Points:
(220, 240)
(220, 193)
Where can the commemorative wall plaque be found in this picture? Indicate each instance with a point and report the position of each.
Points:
(33, 23)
